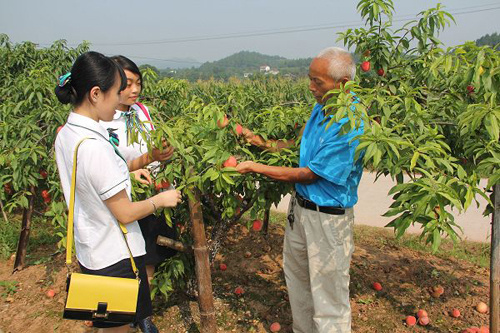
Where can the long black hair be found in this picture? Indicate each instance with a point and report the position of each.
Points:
(90, 69)
(127, 64)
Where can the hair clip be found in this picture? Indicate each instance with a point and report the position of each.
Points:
(63, 79)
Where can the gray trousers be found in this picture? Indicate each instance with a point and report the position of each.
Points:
(316, 259)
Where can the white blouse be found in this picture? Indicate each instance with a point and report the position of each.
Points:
(101, 174)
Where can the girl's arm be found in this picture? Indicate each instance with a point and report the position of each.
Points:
(126, 211)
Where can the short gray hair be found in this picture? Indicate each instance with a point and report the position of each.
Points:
(341, 63)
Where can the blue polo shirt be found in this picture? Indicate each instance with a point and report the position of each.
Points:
(331, 157)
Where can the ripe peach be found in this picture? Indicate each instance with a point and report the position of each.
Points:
(222, 267)
(365, 66)
(50, 293)
(411, 321)
(484, 329)
(223, 123)
(239, 291)
(481, 307)
(230, 162)
(257, 225)
(437, 291)
(275, 327)
(239, 129)
(422, 313)
(423, 321)
(377, 286)
(455, 313)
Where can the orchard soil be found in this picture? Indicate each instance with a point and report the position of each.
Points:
(406, 276)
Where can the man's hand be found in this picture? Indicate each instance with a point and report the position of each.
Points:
(163, 155)
(246, 167)
(142, 176)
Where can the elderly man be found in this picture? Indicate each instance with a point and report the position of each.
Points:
(318, 240)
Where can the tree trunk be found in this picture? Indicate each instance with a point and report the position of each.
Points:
(25, 233)
(495, 263)
(266, 220)
(202, 266)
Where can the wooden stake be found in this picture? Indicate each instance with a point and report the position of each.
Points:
(202, 266)
(495, 263)
(3, 212)
(25, 233)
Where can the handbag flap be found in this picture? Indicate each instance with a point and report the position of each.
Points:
(87, 291)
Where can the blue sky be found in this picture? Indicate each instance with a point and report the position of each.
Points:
(150, 28)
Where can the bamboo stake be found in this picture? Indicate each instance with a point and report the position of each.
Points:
(22, 246)
(495, 263)
(205, 295)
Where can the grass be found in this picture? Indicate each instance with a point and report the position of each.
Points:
(41, 234)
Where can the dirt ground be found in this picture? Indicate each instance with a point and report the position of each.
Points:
(254, 263)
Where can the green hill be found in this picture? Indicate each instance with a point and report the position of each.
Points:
(241, 64)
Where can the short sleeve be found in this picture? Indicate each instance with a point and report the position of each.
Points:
(101, 168)
(334, 160)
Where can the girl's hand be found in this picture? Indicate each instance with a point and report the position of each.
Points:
(163, 155)
(168, 198)
(142, 176)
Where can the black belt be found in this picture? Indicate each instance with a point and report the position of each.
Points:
(304, 203)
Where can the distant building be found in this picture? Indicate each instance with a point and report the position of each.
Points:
(273, 71)
(265, 68)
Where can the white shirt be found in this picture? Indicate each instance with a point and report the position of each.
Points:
(101, 174)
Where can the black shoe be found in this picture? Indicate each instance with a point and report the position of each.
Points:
(146, 325)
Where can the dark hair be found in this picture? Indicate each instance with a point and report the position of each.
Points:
(90, 69)
(127, 64)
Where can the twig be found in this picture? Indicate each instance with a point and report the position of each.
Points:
(3, 212)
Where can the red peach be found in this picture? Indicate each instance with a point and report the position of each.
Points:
(257, 225)
(50, 293)
(222, 267)
(455, 313)
(422, 313)
(239, 291)
(230, 162)
(275, 327)
(411, 321)
(59, 128)
(377, 286)
(423, 321)
(381, 72)
(484, 329)
(222, 124)
(365, 66)
(44, 174)
(239, 129)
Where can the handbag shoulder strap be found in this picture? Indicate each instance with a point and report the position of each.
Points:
(71, 214)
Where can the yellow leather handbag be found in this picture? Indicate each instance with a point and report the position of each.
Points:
(95, 297)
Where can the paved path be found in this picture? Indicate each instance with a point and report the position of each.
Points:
(374, 201)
